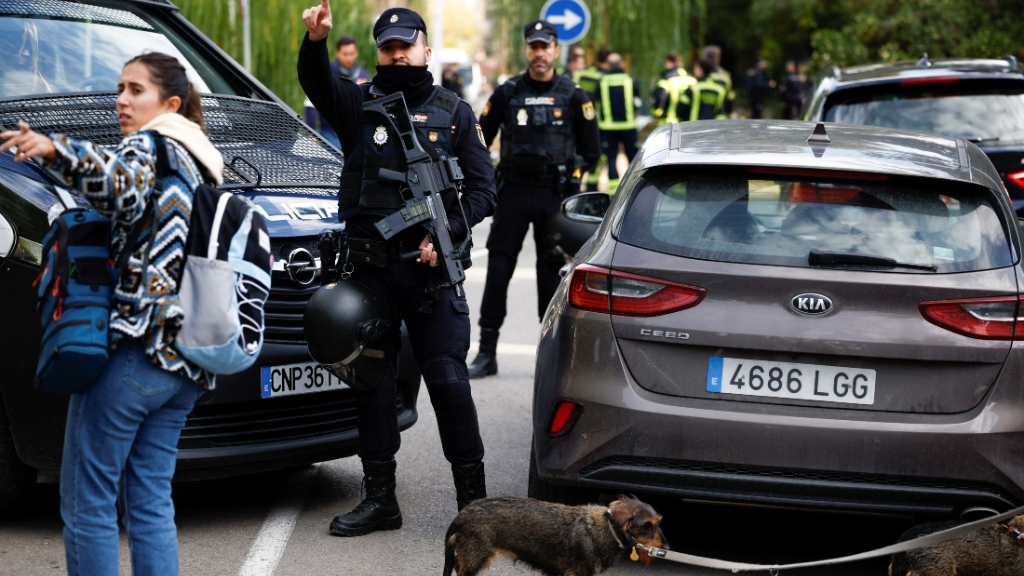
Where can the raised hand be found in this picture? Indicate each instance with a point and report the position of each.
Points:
(30, 144)
(318, 20)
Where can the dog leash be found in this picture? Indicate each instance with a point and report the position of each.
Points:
(921, 542)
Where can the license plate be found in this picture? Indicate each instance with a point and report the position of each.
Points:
(790, 381)
(302, 378)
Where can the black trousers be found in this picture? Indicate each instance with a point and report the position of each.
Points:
(610, 140)
(519, 206)
(440, 341)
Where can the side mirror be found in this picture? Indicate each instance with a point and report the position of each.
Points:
(587, 207)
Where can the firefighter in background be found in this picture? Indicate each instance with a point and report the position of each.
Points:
(702, 100)
(616, 116)
(713, 55)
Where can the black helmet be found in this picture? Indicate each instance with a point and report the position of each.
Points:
(569, 228)
(342, 321)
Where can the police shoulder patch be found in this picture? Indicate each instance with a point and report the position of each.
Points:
(487, 108)
(480, 135)
(588, 111)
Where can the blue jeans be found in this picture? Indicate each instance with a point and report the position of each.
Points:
(120, 445)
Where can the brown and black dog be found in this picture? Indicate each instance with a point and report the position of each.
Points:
(558, 540)
(995, 550)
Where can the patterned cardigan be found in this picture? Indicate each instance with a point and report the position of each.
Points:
(118, 183)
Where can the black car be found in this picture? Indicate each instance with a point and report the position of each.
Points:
(978, 100)
(60, 67)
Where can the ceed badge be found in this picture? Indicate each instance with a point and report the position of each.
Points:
(522, 117)
(380, 136)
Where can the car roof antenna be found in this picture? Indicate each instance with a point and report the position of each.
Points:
(819, 140)
(924, 62)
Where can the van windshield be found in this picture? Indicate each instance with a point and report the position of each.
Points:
(757, 216)
(61, 47)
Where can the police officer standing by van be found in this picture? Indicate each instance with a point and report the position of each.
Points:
(439, 332)
(549, 137)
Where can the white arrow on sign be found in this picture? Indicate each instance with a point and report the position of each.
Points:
(569, 19)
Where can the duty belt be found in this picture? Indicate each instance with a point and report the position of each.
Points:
(373, 252)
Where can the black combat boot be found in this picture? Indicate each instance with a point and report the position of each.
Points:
(486, 361)
(469, 483)
(379, 510)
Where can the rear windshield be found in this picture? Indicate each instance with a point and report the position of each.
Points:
(756, 216)
(982, 113)
(61, 47)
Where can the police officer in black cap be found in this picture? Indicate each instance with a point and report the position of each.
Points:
(440, 337)
(546, 121)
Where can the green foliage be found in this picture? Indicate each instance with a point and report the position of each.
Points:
(643, 31)
(890, 30)
(277, 33)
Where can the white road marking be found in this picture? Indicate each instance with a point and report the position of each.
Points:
(270, 543)
(510, 349)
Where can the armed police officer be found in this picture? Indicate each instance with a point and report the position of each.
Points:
(438, 326)
(549, 137)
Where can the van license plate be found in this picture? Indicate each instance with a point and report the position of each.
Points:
(301, 378)
(790, 381)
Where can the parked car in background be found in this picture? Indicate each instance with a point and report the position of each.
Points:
(62, 64)
(790, 314)
(979, 100)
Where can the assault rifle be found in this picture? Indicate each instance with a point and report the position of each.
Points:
(427, 176)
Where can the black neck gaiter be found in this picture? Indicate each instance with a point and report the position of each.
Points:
(414, 81)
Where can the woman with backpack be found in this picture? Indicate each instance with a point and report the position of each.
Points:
(122, 432)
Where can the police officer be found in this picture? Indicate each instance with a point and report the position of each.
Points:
(792, 93)
(589, 79)
(758, 85)
(546, 121)
(703, 99)
(439, 332)
(616, 119)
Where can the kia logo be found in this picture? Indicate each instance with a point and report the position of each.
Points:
(301, 267)
(813, 304)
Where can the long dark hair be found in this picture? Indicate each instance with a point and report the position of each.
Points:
(169, 75)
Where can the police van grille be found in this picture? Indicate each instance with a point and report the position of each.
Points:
(257, 132)
(283, 311)
(271, 420)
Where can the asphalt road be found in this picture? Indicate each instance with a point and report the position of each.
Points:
(277, 523)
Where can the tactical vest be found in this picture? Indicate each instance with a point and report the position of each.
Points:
(702, 101)
(537, 135)
(361, 193)
(606, 121)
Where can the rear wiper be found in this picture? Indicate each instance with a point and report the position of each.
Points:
(821, 257)
(979, 139)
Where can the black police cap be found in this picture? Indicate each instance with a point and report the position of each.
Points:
(540, 31)
(398, 24)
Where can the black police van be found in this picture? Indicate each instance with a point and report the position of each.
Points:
(60, 66)
(975, 99)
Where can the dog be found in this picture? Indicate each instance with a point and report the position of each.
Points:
(556, 539)
(995, 550)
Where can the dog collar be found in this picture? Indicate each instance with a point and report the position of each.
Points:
(615, 534)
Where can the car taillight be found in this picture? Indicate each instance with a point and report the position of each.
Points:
(1017, 178)
(564, 418)
(623, 294)
(984, 318)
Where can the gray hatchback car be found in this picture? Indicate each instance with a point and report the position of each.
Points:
(791, 314)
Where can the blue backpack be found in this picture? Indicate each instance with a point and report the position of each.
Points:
(75, 290)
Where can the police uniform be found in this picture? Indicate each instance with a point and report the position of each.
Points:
(544, 126)
(440, 338)
(589, 80)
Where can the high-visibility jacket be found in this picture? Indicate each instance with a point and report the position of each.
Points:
(588, 79)
(701, 101)
(722, 77)
(622, 85)
(674, 87)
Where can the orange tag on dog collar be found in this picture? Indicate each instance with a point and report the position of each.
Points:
(634, 556)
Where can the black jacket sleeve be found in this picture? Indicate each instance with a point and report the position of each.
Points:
(480, 195)
(338, 100)
(494, 113)
(588, 138)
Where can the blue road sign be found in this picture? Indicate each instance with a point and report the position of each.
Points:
(570, 17)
